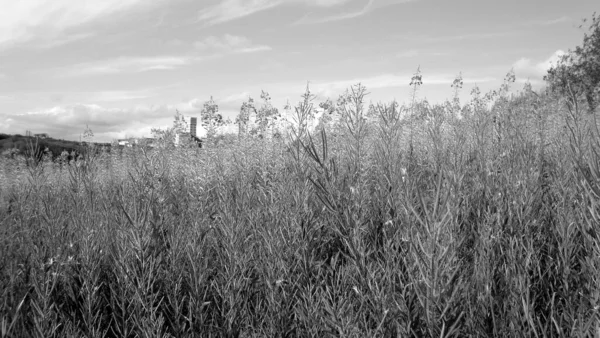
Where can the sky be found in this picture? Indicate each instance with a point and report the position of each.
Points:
(123, 67)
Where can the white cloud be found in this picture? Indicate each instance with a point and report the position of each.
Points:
(309, 19)
(459, 37)
(411, 53)
(113, 95)
(369, 7)
(548, 22)
(527, 68)
(408, 53)
(228, 10)
(234, 98)
(26, 20)
(68, 121)
(127, 65)
(210, 47)
(391, 80)
(229, 44)
(326, 3)
(65, 39)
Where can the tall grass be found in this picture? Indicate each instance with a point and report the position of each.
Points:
(386, 221)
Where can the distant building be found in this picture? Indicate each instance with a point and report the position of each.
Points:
(180, 137)
(42, 135)
(125, 142)
(193, 125)
(130, 142)
(191, 132)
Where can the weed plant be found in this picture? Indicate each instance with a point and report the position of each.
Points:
(387, 221)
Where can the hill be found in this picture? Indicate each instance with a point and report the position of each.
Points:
(10, 144)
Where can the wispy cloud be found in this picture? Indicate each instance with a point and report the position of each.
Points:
(310, 19)
(126, 65)
(412, 53)
(228, 10)
(229, 44)
(548, 22)
(114, 95)
(101, 96)
(408, 53)
(323, 3)
(64, 40)
(22, 21)
(209, 48)
(371, 5)
(458, 37)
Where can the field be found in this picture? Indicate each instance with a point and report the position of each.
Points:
(459, 219)
(422, 220)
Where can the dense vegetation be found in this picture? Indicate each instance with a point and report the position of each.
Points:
(474, 219)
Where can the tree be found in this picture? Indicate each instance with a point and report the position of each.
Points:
(211, 119)
(327, 117)
(170, 136)
(457, 85)
(179, 123)
(267, 115)
(243, 118)
(577, 74)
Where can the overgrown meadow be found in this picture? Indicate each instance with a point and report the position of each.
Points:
(475, 218)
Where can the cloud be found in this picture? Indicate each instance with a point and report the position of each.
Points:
(527, 68)
(21, 21)
(391, 80)
(369, 7)
(310, 20)
(235, 98)
(326, 3)
(548, 22)
(107, 124)
(126, 65)
(408, 54)
(112, 95)
(208, 48)
(411, 53)
(459, 37)
(229, 44)
(329, 89)
(64, 40)
(68, 121)
(228, 10)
